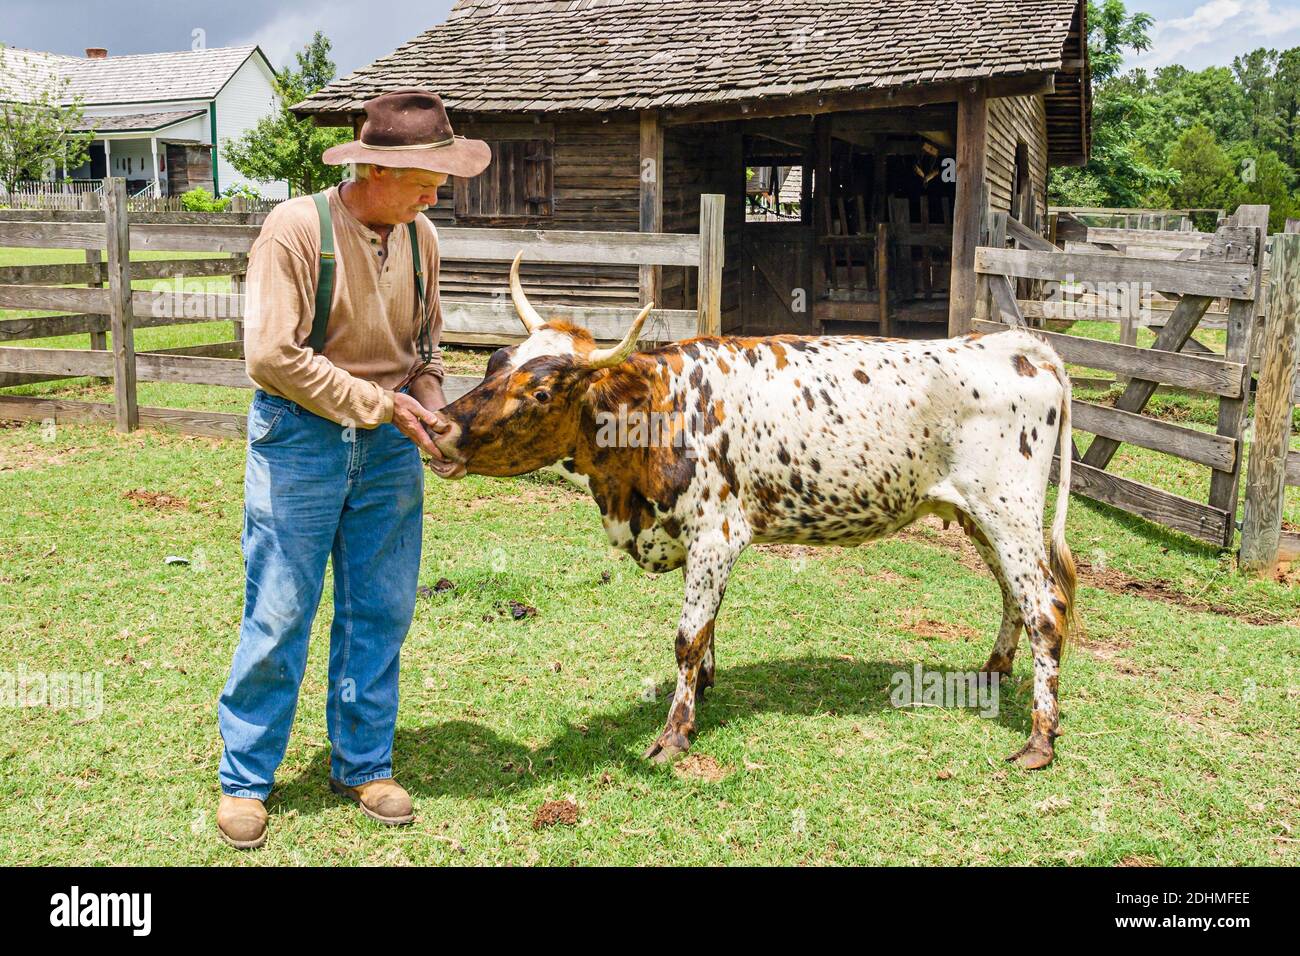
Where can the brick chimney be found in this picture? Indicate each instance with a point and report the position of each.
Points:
(96, 53)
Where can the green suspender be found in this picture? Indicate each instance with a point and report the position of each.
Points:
(325, 280)
(325, 283)
(424, 341)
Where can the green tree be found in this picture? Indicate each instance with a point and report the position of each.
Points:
(1206, 174)
(1178, 98)
(1112, 31)
(283, 147)
(1118, 172)
(1264, 180)
(1286, 100)
(39, 127)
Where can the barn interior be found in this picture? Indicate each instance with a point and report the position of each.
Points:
(851, 228)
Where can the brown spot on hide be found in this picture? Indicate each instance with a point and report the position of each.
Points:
(1024, 366)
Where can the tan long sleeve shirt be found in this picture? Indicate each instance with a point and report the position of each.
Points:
(370, 343)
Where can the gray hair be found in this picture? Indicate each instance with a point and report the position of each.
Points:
(363, 170)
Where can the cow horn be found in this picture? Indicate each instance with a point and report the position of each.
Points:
(603, 358)
(527, 314)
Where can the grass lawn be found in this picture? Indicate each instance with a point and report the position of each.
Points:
(1180, 703)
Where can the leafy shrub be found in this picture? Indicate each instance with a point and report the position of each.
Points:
(200, 200)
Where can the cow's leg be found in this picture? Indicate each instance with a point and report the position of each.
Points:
(1017, 543)
(705, 677)
(708, 564)
(1004, 649)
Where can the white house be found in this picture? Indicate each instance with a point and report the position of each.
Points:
(158, 118)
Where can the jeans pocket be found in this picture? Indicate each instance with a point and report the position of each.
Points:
(263, 417)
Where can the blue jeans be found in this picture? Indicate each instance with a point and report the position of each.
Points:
(315, 490)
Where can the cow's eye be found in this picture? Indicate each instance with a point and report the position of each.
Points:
(542, 395)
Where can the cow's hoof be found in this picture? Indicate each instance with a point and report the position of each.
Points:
(997, 664)
(667, 747)
(1034, 755)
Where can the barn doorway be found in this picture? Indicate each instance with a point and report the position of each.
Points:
(777, 238)
(848, 222)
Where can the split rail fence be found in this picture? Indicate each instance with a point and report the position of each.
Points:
(110, 311)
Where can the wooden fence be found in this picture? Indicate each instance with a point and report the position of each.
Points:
(107, 302)
(73, 195)
(1228, 267)
(1065, 222)
(1273, 466)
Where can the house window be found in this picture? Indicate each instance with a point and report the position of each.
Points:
(518, 184)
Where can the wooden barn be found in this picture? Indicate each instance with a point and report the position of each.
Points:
(900, 121)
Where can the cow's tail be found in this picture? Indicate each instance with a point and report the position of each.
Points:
(1060, 560)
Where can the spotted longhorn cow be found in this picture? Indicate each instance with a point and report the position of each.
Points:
(830, 440)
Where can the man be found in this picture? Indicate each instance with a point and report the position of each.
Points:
(348, 383)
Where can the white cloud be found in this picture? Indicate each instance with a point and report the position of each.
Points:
(1219, 29)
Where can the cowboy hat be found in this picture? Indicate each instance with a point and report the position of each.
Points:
(409, 129)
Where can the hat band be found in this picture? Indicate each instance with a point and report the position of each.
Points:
(446, 142)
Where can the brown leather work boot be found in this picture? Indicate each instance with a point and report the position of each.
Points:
(241, 821)
(383, 800)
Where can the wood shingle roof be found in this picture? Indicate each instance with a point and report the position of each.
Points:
(553, 55)
(133, 78)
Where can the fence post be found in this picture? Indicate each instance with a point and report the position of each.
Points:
(238, 204)
(237, 287)
(121, 318)
(1224, 485)
(98, 340)
(1261, 528)
(712, 252)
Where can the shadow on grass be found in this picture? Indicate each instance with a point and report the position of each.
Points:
(461, 758)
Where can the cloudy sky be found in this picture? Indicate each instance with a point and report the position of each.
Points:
(1196, 33)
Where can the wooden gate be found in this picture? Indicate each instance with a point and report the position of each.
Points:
(776, 278)
(1229, 267)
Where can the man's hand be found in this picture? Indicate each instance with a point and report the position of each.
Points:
(416, 422)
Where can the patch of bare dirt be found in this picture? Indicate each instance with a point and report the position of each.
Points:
(700, 767)
(158, 500)
(932, 629)
(1133, 860)
(556, 813)
(1104, 579)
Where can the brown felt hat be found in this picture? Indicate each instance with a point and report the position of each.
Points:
(409, 129)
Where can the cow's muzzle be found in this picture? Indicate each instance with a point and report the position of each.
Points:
(452, 465)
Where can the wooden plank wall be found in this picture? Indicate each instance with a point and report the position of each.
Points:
(1014, 119)
(596, 179)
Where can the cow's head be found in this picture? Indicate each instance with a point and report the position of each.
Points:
(527, 411)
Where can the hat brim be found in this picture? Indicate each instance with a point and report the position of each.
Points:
(463, 157)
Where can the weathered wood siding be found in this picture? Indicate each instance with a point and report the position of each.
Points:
(1013, 120)
(596, 188)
